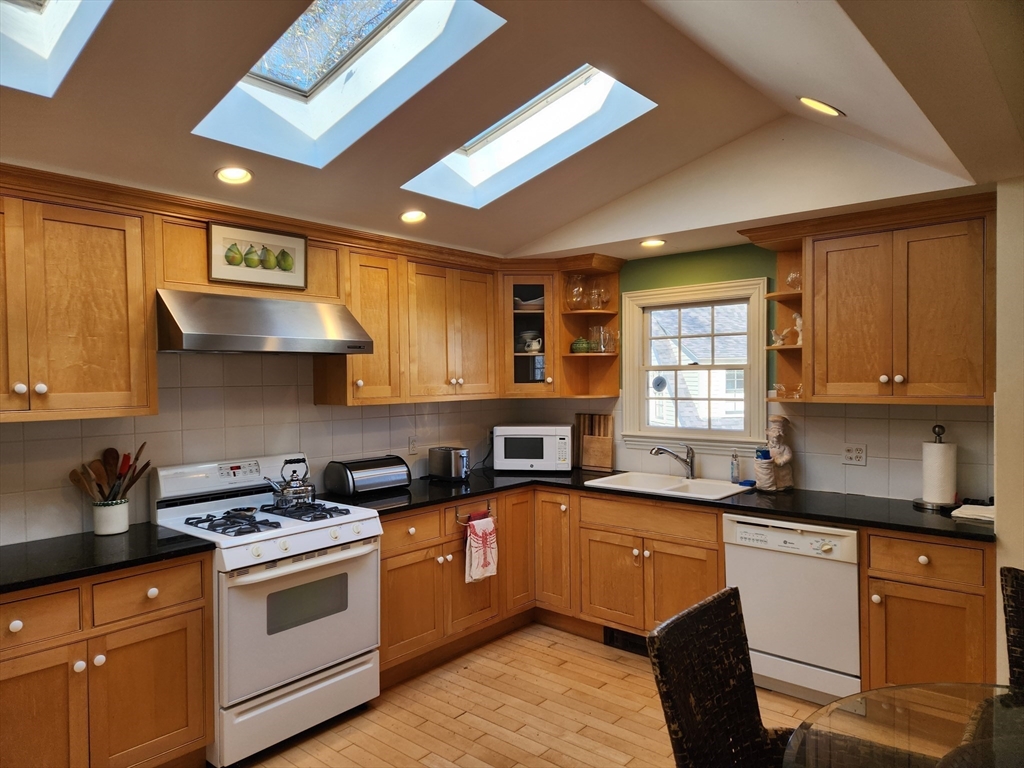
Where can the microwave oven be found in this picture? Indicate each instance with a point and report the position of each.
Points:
(533, 447)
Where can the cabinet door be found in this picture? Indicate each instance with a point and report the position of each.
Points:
(466, 604)
(147, 690)
(552, 526)
(528, 304)
(853, 313)
(676, 577)
(44, 710)
(924, 635)
(87, 336)
(476, 357)
(431, 331)
(411, 602)
(13, 316)
(374, 302)
(939, 310)
(516, 549)
(611, 566)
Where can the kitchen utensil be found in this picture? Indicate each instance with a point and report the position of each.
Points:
(84, 485)
(135, 462)
(111, 461)
(101, 477)
(346, 478)
(447, 463)
(293, 489)
(134, 479)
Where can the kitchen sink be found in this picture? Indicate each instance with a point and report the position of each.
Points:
(668, 485)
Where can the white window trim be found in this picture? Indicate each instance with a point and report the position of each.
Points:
(632, 316)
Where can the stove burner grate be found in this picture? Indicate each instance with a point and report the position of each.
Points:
(234, 522)
(306, 511)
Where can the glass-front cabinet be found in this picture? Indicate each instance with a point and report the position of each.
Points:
(527, 365)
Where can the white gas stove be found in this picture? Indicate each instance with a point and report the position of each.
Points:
(288, 575)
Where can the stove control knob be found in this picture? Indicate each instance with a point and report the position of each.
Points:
(256, 550)
(334, 534)
(284, 545)
(357, 528)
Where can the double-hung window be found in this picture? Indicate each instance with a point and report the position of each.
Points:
(693, 367)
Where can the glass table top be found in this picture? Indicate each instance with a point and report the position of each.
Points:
(942, 725)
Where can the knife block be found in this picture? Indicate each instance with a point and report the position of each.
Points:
(596, 453)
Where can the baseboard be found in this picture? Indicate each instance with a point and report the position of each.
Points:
(569, 624)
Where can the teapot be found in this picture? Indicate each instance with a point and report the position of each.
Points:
(533, 345)
(294, 489)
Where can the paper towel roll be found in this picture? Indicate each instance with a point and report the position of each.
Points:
(939, 481)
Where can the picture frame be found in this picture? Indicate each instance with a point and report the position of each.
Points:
(256, 257)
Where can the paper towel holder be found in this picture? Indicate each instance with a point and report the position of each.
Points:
(933, 506)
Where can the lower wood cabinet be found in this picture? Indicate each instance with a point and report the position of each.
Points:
(466, 604)
(551, 512)
(411, 601)
(676, 576)
(516, 550)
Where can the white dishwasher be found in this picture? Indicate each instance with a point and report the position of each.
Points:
(798, 587)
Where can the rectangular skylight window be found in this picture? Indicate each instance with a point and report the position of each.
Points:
(572, 114)
(327, 35)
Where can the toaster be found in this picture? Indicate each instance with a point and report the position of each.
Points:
(447, 463)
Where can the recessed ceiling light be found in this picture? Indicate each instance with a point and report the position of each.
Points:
(652, 242)
(411, 217)
(821, 106)
(234, 175)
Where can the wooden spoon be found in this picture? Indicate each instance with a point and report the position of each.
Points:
(89, 489)
(135, 462)
(96, 466)
(134, 479)
(111, 460)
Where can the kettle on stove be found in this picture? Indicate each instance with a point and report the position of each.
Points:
(293, 490)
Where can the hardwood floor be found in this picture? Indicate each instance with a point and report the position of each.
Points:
(535, 697)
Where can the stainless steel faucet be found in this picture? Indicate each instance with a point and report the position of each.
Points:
(686, 462)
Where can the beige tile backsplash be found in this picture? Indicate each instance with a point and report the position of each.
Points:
(216, 406)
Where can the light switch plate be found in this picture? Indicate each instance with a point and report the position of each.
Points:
(855, 453)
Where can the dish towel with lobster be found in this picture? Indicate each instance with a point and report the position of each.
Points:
(481, 550)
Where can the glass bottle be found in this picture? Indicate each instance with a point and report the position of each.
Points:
(575, 292)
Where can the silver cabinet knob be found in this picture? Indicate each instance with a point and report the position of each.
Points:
(563, 507)
(898, 379)
(99, 661)
(461, 380)
(79, 666)
(152, 592)
(453, 382)
(359, 382)
(548, 380)
(440, 560)
(41, 388)
(923, 560)
(647, 553)
(876, 599)
(16, 625)
(412, 531)
(19, 388)
(884, 379)
(449, 558)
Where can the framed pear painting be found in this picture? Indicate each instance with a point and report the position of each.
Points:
(274, 259)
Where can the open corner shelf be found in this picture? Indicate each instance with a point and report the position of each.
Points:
(590, 312)
(784, 295)
(784, 347)
(590, 354)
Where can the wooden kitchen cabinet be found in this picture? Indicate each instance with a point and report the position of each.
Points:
(14, 317)
(516, 549)
(676, 576)
(476, 354)
(612, 576)
(44, 716)
(551, 511)
(411, 601)
(146, 690)
(466, 605)
(528, 308)
(90, 347)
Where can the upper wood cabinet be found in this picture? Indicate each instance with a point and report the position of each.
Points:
(529, 340)
(905, 315)
(87, 330)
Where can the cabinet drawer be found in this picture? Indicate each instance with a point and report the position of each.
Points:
(399, 534)
(462, 512)
(926, 560)
(136, 595)
(40, 618)
(676, 520)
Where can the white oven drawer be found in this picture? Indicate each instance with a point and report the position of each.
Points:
(281, 623)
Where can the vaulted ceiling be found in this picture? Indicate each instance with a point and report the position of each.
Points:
(932, 101)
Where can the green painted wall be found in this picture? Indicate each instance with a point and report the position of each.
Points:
(736, 262)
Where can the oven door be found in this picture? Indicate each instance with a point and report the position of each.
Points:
(281, 623)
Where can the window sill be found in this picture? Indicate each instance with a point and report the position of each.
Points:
(713, 446)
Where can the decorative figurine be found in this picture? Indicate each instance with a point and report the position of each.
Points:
(779, 337)
(798, 324)
(781, 453)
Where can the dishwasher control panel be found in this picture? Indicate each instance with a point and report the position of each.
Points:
(838, 544)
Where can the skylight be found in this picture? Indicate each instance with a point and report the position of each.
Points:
(321, 39)
(41, 40)
(570, 115)
(353, 83)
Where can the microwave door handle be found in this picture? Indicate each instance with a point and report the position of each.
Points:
(305, 565)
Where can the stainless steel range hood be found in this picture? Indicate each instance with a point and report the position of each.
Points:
(210, 322)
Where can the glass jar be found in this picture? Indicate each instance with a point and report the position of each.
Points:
(575, 292)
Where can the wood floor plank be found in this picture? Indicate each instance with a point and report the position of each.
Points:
(415, 735)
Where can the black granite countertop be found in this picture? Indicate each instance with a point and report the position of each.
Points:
(47, 561)
(817, 506)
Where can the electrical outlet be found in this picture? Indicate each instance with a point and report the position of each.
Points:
(414, 447)
(855, 453)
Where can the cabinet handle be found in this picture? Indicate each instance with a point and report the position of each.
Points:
(461, 380)
(440, 560)
(41, 388)
(898, 379)
(647, 553)
(19, 388)
(79, 666)
(449, 558)
(884, 379)
(548, 380)
(16, 625)
(100, 660)
(359, 382)
(412, 531)
(563, 507)
(923, 560)
(876, 599)
(152, 592)
(453, 382)
(636, 553)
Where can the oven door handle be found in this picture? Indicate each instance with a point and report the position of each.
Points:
(305, 565)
